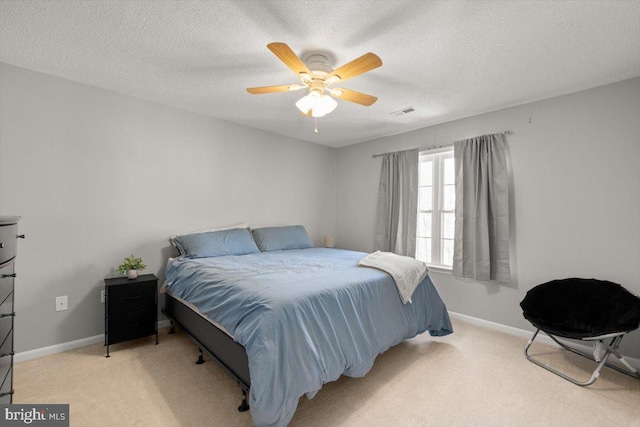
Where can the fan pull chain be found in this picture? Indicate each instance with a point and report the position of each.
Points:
(316, 129)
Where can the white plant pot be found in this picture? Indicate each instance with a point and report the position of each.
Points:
(132, 274)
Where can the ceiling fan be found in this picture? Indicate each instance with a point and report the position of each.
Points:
(317, 76)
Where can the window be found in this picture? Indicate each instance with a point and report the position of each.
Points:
(436, 208)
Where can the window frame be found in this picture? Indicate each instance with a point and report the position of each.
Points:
(437, 156)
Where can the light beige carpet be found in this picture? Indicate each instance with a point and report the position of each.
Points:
(475, 377)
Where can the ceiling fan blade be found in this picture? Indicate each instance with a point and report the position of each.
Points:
(353, 96)
(286, 55)
(271, 89)
(366, 62)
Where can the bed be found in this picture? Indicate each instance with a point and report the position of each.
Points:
(284, 322)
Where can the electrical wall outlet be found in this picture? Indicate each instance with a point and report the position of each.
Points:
(102, 296)
(62, 303)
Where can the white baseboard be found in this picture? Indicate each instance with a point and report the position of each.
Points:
(528, 334)
(56, 348)
(66, 346)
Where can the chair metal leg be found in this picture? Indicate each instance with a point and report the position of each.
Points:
(610, 349)
(631, 370)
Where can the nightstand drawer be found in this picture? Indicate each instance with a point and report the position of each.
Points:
(6, 281)
(6, 343)
(6, 307)
(6, 325)
(127, 326)
(124, 298)
(5, 377)
(5, 367)
(8, 242)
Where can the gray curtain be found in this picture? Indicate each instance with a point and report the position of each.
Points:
(397, 211)
(481, 246)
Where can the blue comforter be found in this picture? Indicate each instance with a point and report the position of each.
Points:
(305, 317)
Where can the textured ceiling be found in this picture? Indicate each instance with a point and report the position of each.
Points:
(446, 59)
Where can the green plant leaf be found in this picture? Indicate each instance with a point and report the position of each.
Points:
(131, 263)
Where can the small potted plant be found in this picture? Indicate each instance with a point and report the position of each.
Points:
(131, 266)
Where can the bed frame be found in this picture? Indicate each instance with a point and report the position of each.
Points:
(230, 355)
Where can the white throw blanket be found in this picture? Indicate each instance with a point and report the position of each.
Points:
(405, 271)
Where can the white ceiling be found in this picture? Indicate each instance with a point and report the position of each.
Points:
(446, 59)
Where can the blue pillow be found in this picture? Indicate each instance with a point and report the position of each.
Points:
(280, 238)
(237, 241)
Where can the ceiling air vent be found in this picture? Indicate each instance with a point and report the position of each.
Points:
(402, 112)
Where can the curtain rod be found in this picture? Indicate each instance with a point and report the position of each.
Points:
(433, 147)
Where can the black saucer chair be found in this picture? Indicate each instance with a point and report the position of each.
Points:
(594, 311)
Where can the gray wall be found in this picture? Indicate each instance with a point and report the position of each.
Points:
(98, 175)
(575, 196)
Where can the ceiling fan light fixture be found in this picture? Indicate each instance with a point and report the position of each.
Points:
(304, 104)
(327, 104)
(319, 104)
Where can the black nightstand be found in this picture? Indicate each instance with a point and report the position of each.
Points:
(131, 309)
